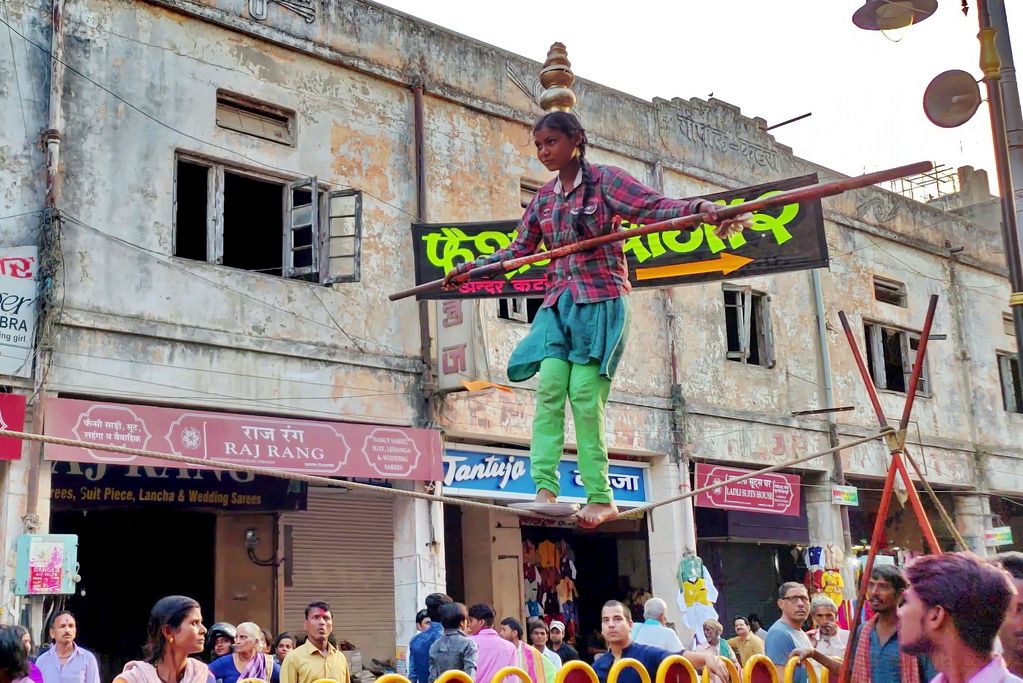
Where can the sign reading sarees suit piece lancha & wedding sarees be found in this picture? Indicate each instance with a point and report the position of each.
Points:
(782, 239)
(773, 493)
(330, 449)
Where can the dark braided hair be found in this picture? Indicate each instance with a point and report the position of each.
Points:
(568, 124)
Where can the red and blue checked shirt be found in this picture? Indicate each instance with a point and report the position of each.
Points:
(597, 274)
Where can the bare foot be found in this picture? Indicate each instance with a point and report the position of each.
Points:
(545, 496)
(595, 514)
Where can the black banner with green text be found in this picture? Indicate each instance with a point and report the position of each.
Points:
(782, 239)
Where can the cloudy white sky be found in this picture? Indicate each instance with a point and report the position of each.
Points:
(775, 60)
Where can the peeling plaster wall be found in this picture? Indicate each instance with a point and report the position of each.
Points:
(24, 94)
(197, 332)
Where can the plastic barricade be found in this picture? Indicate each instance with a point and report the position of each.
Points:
(759, 669)
(509, 671)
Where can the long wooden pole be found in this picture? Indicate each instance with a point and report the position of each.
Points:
(801, 194)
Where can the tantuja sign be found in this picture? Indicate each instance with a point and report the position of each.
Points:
(781, 239)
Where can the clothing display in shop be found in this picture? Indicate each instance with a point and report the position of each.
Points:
(548, 581)
(824, 566)
(696, 595)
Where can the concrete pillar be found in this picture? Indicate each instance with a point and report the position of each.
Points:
(972, 515)
(418, 558)
(822, 516)
(492, 550)
(671, 531)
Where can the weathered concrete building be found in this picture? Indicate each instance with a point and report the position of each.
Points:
(234, 195)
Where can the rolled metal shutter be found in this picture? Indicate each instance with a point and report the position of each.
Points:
(342, 552)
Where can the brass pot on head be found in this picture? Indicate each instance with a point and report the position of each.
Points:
(557, 78)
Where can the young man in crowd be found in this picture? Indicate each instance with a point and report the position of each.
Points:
(539, 634)
(1011, 633)
(453, 650)
(495, 652)
(316, 658)
(419, 646)
(952, 611)
(565, 652)
(745, 644)
(422, 621)
(876, 657)
(527, 657)
(616, 626)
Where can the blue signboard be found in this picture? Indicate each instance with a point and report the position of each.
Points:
(504, 475)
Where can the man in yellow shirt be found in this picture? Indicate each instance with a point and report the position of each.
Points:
(745, 644)
(316, 659)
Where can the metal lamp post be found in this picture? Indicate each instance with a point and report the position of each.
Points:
(1006, 117)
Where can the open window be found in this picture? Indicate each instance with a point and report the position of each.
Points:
(1012, 382)
(242, 219)
(891, 353)
(748, 326)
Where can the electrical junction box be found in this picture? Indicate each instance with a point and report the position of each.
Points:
(46, 564)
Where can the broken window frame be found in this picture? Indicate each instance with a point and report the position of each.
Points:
(751, 306)
(257, 109)
(874, 340)
(320, 267)
(327, 254)
(1008, 325)
(1010, 376)
(894, 290)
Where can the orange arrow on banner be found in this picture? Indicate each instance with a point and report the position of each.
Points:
(724, 264)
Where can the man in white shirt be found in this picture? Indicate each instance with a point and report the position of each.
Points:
(653, 631)
(827, 637)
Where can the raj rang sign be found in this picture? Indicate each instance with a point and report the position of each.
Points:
(772, 493)
(782, 239)
(331, 449)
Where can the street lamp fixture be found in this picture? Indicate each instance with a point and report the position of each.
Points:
(888, 15)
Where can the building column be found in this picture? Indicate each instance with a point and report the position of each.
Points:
(418, 558)
(671, 531)
(822, 517)
(972, 517)
(492, 556)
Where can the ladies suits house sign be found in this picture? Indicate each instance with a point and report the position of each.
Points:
(332, 449)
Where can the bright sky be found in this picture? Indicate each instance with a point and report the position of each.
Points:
(775, 60)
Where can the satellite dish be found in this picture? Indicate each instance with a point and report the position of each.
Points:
(951, 99)
(888, 15)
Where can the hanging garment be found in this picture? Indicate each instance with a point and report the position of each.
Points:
(696, 597)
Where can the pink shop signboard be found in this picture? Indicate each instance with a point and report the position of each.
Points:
(772, 493)
(330, 449)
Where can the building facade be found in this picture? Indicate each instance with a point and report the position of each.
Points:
(233, 185)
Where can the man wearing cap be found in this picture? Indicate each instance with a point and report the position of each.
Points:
(562, 649)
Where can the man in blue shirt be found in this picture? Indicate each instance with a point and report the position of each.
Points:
(786, 635)
(616, 627)
(419, 646)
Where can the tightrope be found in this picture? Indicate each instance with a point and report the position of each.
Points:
(634, 513)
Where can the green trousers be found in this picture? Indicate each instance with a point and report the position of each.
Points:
(587, 390)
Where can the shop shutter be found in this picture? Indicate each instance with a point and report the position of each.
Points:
(746, 577)
(342, 552)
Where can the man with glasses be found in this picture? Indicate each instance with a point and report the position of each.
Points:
(786, 635)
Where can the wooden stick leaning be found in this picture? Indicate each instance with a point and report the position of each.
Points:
(800, 194)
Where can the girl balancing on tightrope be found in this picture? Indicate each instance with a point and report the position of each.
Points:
(578, 336)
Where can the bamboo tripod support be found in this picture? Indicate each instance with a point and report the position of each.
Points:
(896, 442)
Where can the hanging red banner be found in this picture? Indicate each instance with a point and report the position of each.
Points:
(12, 417)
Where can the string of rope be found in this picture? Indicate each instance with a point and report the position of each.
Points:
(639, 511)
(960, 541)
(634, 513)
